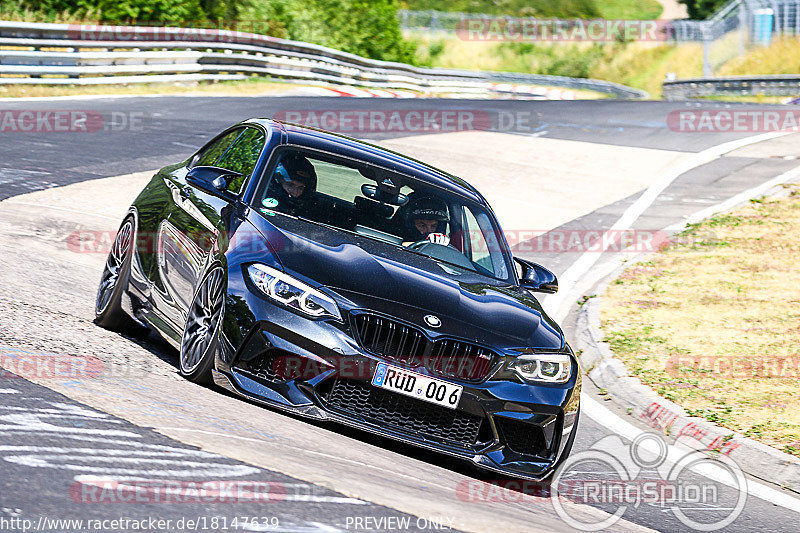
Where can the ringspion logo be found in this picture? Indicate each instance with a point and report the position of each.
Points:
(621, 476)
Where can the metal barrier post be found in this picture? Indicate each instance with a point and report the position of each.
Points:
(705, 30)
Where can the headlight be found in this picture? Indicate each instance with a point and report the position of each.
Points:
(543, 367)
(292, 292)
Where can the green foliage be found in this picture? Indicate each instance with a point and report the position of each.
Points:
(520, 8)
(574, 60)
(122, 10)
(365, 27)
(702, 9)
(630, 9)
(720, 415)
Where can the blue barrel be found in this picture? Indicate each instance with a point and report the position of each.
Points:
(762, 25)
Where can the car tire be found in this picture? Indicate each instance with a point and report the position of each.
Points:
(201, 333)
(114, 281)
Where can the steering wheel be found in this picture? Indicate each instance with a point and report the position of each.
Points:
(442, 253)
(419, 244)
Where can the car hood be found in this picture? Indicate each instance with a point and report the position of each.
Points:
(381, 277)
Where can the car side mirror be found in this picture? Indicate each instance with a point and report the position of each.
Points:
(213, 180)
(537, 278)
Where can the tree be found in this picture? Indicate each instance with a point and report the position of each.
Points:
(147, 11)
(365, 27)
(702, 9)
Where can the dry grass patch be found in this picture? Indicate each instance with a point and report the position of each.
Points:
(713, 321)
(782, 56)
(643, 65)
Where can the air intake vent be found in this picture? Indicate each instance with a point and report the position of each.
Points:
(522, 437)
(404, 344)
(409, 415)
(390, 339)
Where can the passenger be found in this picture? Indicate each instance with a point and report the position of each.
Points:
(293, 185)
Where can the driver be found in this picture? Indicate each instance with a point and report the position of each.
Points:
(293, 185)
(427, 219)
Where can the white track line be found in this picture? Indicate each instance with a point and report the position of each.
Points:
(597, 411)
(586, 261)
(332, 457)
(623, 428)
(740, 198)
(12, 201)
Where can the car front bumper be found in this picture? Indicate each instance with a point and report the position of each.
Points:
(506, 426)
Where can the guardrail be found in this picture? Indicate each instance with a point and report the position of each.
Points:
(776, 85)
(52, 54)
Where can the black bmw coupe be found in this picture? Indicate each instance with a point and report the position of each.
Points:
(312, 272)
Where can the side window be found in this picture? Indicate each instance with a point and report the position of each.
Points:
(484, 247)
(478, 248)
(216, 149)
(242, 156)
(338, 181)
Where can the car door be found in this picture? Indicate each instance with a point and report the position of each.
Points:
(194, 221)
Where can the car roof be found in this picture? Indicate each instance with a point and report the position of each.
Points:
(370, 153)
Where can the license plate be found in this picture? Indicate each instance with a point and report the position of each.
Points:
(417, 386)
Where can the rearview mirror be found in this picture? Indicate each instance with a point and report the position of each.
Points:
(213, 180)
(374, 193)
(537, 278)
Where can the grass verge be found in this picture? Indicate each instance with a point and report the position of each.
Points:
(641, 65)
(713, 321)
(750, 99)
(782, 56)
(638, 64)
(609, 9)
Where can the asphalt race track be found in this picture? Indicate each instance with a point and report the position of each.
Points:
(140, 422)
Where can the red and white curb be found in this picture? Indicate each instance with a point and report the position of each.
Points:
(353, 92)
(506, 90)
(535, 92)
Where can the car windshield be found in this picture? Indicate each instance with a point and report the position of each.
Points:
(386, 206)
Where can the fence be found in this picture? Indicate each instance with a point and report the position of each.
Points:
(33, 53)
(738, 26)
(735, 27)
